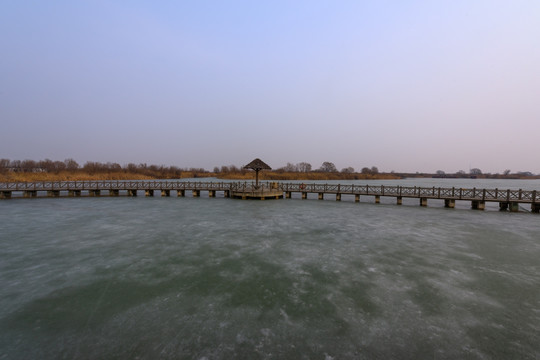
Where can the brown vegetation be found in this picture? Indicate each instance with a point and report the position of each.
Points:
(70, 170)
(80, 175)
(277, 175)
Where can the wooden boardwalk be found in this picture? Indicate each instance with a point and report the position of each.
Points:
(508, 199)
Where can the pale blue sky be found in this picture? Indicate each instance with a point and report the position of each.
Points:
(402, 85)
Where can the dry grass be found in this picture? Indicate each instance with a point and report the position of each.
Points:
(69, 176)
(272, 175)
(121, 175)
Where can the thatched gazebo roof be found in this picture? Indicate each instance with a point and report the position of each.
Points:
(257, 165)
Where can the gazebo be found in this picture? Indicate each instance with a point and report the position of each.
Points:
(262, 192)
(257, 165)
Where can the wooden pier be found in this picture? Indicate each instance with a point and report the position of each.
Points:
(506, 198)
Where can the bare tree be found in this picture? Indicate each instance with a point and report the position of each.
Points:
(71, 164)
(15, 165)
(46, 165)
(113, 166)
(290, 167)
(4, 165)
(59, 166)
(131, 167)
(348, 170)
(28, 165)
(91, 167)
(304, 167)
(328, 166)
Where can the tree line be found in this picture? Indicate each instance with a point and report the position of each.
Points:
(476, 172)
(94, 167)
(326, 167)
(161, 171)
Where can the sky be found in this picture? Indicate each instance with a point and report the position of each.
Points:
(405, 86)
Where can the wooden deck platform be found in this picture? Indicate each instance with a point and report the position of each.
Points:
(508, 199)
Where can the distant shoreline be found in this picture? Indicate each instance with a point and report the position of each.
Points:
(245, 175)
(79, 175)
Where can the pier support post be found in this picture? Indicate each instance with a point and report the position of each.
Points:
(399, 200)
(5, 195)
(114, 192)
(165, 192)
(149, 192)
(132, 192)
(30, 194)
(288, 195)
(196, 193)
(357, 198)
(304, 195)
(227, 194)
(478, 205)
(514, 207)
(503, 206)
(181, 193)
(211, 193)
(449, 203)
(377, 199)
(338, 197)
(53, 193)
(94, 192)
(321, 196)
(535, 208)
(423, 201)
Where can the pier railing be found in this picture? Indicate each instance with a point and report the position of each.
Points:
(506, 197)
(521, 196)
(113, 185)
(496, 195)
